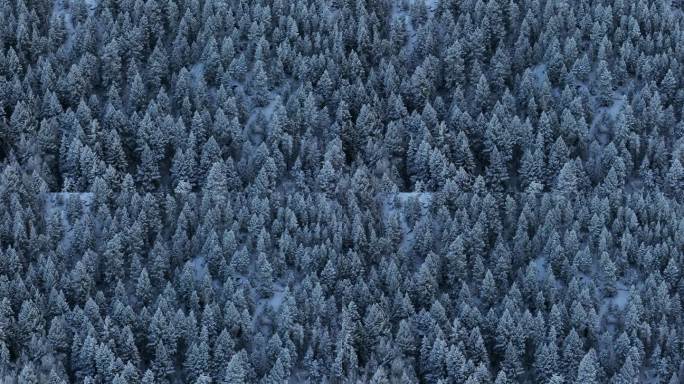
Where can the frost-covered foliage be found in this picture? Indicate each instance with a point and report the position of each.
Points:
(338, 191)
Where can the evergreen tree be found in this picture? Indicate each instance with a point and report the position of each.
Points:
(261, 85)
(497, 173)
(264, 276)
(236, 371)
(148, 171)
(587, 371)
(604, 84)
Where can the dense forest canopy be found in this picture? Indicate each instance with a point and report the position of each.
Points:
(341, 191)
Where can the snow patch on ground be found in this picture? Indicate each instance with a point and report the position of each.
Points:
(430, 4)
(540, 266)
(423, 197)
(277, 299)
(62, 8)
(539, 71)
(267, 111)
(611, 307)
(394, 203)
(621, 298)
(605, 116)
(86, 197)
(59, 9)
(400, 11)
(272, 304)
(56, 201)
(199, 268)
(614, 109)
(197, 72)
(263, 114)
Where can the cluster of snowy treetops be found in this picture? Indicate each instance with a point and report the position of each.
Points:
(341, 191)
